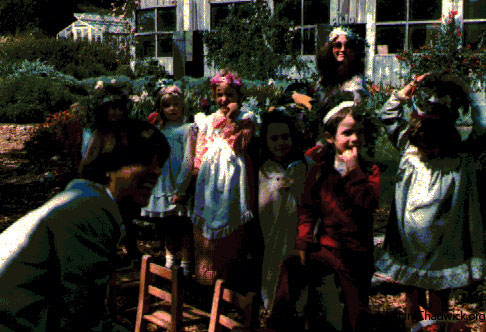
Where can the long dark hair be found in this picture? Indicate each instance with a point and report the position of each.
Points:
(432, 124)
(110, 95)
(277, 116)
(328, 67)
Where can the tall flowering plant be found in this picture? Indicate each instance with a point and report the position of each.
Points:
(447, 52)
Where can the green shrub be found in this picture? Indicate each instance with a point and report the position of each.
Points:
(80, 59)
(61, 132)
(30, 99)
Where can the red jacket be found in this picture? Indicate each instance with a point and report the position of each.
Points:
(344, 204)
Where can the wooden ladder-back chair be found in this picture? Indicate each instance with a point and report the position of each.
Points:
(169, 311)
(243, 303)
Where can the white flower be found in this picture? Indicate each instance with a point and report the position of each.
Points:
(337, 31)
(135, 98)
(271, 81)
(144, 95)
(113, 81)
(98, 85)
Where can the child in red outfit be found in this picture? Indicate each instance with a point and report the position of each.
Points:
(342, 191)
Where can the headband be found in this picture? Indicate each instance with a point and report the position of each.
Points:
(228, 79)
(337, 31)
(337, 109)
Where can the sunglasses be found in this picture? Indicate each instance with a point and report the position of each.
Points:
(283, 137)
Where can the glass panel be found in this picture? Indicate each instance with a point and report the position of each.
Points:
(473, 33)
(474, 8)
(391, 36)
(310, 41)
(296, 41)
(166, 19)
(220, 11)
(390, 10)
(316, 11)
(420, 36)
(291, 10)
(146, 20)
(425, 9)
(146, 46)
(164, 45)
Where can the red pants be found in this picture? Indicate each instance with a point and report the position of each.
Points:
(353, 271)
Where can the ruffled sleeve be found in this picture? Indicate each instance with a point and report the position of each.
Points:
(201, 147)
(237, 133)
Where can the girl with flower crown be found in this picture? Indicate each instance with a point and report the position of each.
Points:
(169, 206)
(435, 235)
(224, 194)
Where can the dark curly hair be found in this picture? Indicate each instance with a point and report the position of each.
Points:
(435, 127)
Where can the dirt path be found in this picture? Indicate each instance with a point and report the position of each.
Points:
(24, 186)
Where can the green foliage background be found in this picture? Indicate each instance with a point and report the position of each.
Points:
(254, 43)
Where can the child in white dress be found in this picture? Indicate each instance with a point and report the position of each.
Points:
(169, 205)
(224, 185)
(435, 239)
(282, 175)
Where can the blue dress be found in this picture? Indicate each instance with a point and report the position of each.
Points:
(176, 172)
(435, 237)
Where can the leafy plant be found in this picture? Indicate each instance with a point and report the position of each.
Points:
(446, 52)
(29, 99)
(62, 133)
(253, 42)
(80, 59)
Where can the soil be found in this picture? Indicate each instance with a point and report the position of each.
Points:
(25, 186)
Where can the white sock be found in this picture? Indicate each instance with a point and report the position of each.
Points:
(186, 265)
(169, 261)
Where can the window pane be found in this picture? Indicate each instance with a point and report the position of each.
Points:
(425, 9)
(310, 41)
(220, 11)
(420, 36)
(146, 20)
(391, 36)
(146, 46)
(473, 33)
(390, 10)
(166, 19)
(316, 11)
(290, 10)
(474, 8)
(164, 45)
(296, 41)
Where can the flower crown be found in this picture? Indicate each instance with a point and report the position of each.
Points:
(338, 31)
(172, 90)
(228, 79)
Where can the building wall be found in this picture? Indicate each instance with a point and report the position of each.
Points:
(381, 63)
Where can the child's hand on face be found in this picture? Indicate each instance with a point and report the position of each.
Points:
(350, 158)
(232, 111)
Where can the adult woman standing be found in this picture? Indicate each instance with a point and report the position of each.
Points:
(340, 65)
(56, 261)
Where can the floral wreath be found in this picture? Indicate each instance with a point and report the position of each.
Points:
(342, 30)
(172, 90)
(228, 79)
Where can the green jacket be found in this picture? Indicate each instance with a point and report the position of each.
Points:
(55, 262)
